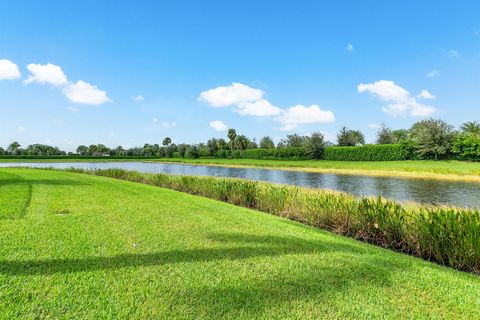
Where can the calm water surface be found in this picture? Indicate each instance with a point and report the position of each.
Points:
(458, 193)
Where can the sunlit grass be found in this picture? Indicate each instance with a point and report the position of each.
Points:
(94, 247)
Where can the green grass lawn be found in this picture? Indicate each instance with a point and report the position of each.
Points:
(78, 246)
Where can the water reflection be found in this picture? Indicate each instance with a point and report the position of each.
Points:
(465, 194)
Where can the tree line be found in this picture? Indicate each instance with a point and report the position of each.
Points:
(426, 139)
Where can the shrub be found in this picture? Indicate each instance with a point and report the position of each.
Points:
(467, 147)
(370, 152)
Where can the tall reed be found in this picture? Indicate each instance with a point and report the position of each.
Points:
(448, 236)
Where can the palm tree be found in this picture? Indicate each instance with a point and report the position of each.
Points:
(471, 128)
(166, 141)
(232, 134)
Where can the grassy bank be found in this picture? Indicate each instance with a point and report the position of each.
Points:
(80, 246)
(455, 170)
(448, 236)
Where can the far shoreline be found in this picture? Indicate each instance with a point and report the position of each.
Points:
(415, 171)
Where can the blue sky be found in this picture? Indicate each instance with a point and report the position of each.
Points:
(131, 72)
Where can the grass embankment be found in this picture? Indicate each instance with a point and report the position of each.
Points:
(449, 236)
(80, 246)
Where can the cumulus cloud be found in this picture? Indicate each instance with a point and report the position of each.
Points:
(234, 94)
(8, 70)
(248, 101)
(78, 92)
(425, 95)
(138, 98)
(218, 125)
(46, 73)
(297, 115)
(350, 47)
(259, 108)
(402, 103)
(83, 92)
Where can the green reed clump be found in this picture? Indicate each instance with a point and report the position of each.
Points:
(448, 236)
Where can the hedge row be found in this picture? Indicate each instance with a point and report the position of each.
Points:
(370, 152)
(271, 154)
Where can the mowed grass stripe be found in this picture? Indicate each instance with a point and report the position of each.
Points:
(16, 196)
(127, 250)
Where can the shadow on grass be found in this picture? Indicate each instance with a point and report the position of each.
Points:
(290, 274)
(232, 247)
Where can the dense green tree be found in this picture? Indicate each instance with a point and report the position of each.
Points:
(267, 143)
(347, 137)
(192, 152)
(315, 145)
(433, 138)
(252, 144)
(400, 135)
(221, 144)
(82, 150)
(467, 146)
(13, 148)
(293, 141)
(385, 135)
(212, 146)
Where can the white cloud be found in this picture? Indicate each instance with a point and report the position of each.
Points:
(46, 73)
(425, 95)
(248, 101)
(218, 125)
(21, 129)
(67, 142)
(452, 53)
(434, 73)
(297, 115)
(8, 70)
(138, 98)
(154, 120)
(402, 103)
(260, 108)
(374, 125)
(234, 94)
(83, 92)
(167, 124)
(349, 47)
(72, 109)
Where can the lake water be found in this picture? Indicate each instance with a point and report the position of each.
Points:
(458, 193)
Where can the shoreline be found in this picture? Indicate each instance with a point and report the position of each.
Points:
(341, 171)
